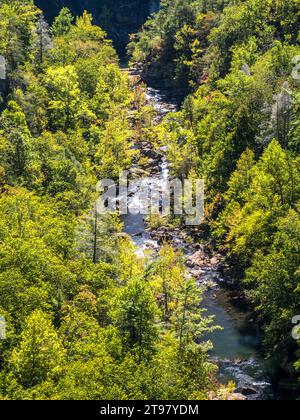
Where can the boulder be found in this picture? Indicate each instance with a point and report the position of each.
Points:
(152, 154)
(214, 261)
(237, 397)
(138, 172)
(196, 273)
(150, 163)
(155, 170)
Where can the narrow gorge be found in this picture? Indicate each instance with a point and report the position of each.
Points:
(119, 18)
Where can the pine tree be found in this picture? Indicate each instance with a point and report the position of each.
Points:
(44, 41)
(135, 316)
(188, 319)
(62, 23)
(96, 236)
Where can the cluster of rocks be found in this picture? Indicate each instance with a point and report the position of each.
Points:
(151, 166)
(153, 159)
(161, 235)
(200, 259)
(138, 172)
(249, 375)
(203, 267)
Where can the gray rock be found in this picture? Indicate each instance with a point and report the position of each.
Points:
(196, 260)
(152, 154)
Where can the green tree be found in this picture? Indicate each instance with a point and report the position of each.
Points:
(188, 320)
(64, 96)
(63, 23)
(14, 125)
(166, 277)
(135, 316)
(97, 236)
(294, 134)
(43, 42)
(273, 282)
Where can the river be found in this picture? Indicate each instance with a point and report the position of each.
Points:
(237, 346)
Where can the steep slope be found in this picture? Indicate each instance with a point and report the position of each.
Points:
(119, 18)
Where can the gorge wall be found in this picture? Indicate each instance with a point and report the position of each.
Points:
(118, 17)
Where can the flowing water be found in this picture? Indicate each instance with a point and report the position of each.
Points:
(236, 347)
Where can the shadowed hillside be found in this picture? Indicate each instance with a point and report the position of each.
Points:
(119, 18)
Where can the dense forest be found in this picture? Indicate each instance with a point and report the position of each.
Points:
(86, 317)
